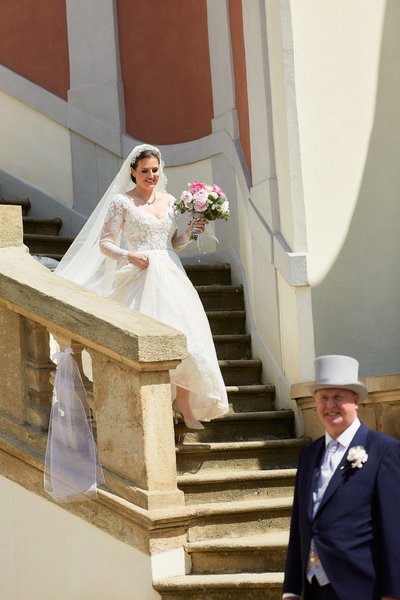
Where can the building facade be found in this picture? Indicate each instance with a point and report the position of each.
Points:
(291, 106)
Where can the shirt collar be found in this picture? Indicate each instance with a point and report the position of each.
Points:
(345, 438)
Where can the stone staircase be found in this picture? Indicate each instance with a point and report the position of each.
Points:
(41, 236)
(238, 473)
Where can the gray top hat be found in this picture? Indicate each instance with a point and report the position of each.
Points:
(336, 371)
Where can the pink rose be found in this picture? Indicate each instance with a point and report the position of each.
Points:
(196, 187)
(200, 200)
(218, 191)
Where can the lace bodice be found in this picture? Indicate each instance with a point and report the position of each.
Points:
(142, 231)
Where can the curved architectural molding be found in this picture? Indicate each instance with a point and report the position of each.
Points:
(291, 265)
(62, 112)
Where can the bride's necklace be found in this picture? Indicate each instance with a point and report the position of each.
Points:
(150, 201)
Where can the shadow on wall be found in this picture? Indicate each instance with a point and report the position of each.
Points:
(357, 306)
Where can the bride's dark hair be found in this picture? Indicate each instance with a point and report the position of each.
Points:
(143, 154)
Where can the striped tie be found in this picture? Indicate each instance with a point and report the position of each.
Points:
(325, 473)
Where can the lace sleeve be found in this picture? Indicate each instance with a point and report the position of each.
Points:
(179, 242)
(111, 229)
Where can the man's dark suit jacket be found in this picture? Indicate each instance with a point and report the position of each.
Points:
(357, 526)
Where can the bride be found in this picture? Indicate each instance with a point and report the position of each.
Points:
(127, 250)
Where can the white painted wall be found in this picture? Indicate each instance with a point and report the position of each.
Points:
(275, 217)
(285, 125)
(35, 149)
(347, 86)
(336, 96)
(48, 553)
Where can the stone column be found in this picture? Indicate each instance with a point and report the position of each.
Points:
(135, 433)
(96, 86)
(12, 349)
(12, 371)
(225, 116)
(95, 99)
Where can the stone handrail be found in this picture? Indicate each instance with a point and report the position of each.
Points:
(131, 355)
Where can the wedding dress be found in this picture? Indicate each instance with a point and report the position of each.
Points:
(163, 291)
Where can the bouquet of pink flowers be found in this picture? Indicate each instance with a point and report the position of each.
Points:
(204, 201)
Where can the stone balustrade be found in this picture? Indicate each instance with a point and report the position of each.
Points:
(131, 356)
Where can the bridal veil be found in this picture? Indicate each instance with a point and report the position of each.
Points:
(84, 263)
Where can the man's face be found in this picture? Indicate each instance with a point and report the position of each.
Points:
(336, 409)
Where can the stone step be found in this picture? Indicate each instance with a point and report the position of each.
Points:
(239, 427)
(221, 297)
(227, 321)
(237, 347)
(240, 586)
(200, 274)
(264, 552)
(248, 398)
(42, 226)
(265, 454)
(24, 203)
(47, 245)
(239, 517)
(241, 372)
(223, 486)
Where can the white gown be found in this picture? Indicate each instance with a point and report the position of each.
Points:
(163, 291)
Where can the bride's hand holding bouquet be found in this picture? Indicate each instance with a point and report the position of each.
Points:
(206, 203)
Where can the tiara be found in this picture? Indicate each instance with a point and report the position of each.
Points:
(137, 150)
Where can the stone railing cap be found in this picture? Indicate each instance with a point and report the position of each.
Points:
(11, 233)
(32, 288)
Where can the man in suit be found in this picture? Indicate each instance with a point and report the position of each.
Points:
(345, 531)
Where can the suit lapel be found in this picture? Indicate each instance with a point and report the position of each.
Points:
(359, 439)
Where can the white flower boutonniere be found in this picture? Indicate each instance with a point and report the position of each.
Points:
(356, 457)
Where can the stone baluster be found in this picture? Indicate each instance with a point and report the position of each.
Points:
(135, 435)
(12, 370)
(38, 373)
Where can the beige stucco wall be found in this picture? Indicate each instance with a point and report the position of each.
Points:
(285, 126)
(35, 149)
(272, 224)
(336, 95)
(346, 57)
(46, 553)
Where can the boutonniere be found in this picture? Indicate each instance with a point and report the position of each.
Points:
(356, 457)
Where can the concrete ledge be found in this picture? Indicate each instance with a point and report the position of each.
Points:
(291, 265)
